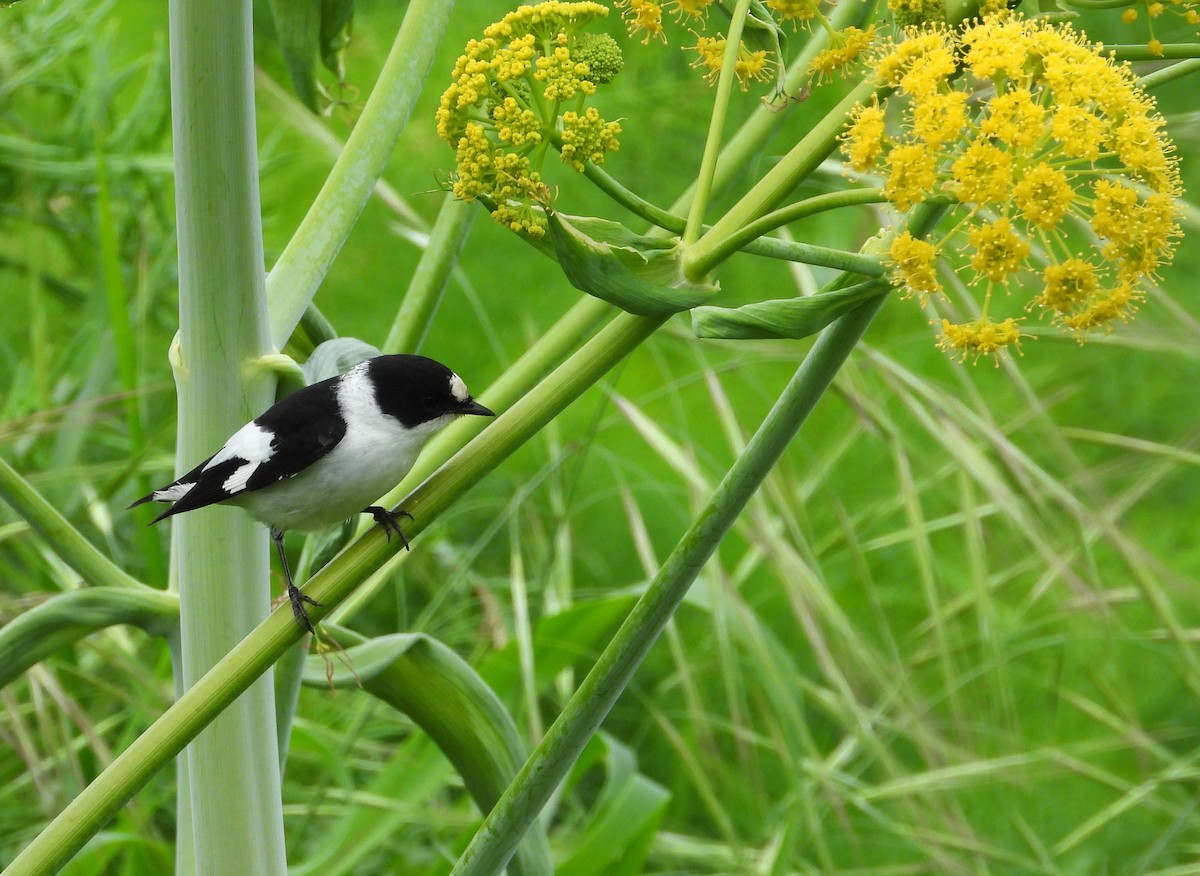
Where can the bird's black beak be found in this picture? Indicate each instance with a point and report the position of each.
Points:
(474, 407)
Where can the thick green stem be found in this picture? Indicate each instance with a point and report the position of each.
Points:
(302, 266)
(219, 556)
(716, 123)
(503, 828)
(755, 230)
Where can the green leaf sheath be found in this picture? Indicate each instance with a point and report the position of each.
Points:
(786, 318)
(424, 679)
(66, 618)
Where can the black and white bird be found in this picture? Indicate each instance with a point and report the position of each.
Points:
(326, 452)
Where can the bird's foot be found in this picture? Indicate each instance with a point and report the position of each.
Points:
(298, 598)
(389, 522)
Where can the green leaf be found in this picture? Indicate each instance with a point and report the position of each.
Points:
(335, 357)
(764, 32)
(782, 318)
(307, 30)
(425, 680)
(336, 18)
(298, 25)
(624, 819)
(640, 274)
(68, 617)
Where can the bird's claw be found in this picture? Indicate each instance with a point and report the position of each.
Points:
(298, 598)
(388, 522)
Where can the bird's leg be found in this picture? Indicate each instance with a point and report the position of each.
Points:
(388, 521)
(293, 592)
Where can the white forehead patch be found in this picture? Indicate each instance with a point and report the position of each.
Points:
(458, 389)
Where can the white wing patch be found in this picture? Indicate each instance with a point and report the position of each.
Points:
(458, 389)
(236, 482)
(251, 442)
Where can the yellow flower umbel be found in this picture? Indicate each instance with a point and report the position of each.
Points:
(521, 88)
(1057, 177)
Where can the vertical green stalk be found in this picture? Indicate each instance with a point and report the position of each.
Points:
(498, 836)
(221, 559)
(716, 124)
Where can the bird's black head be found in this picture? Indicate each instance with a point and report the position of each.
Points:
(415, 390)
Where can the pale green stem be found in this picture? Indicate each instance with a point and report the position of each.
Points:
(808, 207)
(314, 129)
(305, 261)
(446, 240)
(219, 555)
(769, 247)
(498, 836)
(67, 543)
(1169, 52)
(1170, 74)
(800, 161)
(716, 123)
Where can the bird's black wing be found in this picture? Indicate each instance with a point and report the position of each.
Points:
(302, 428)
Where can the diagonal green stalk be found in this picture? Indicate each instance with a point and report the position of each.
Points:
(446, 240)
(219, 556)
(306, 259)
(503, 828)
(1170, 73)
(758, 244)
(60, 536)
(799, 162)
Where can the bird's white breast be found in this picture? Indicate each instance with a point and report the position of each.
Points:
(373, 456)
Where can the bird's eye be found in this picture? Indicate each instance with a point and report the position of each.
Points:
(429, 403)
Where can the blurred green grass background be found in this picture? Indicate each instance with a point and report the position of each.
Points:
(956, 633)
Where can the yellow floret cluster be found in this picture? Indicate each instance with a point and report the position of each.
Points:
(760, 57)
(520, 89)
(1057, 179)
